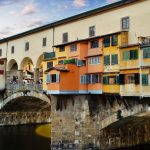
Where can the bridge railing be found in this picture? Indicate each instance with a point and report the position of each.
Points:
(21, 87)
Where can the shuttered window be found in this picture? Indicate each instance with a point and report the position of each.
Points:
(107, 60)
(48, 79)
(84, 79)
(91, 31)
(44, 41)
(94, 44)
(107, 41)
(0, 52)
(65, 37)
(1, 72)
(114, 59)
(133, 54)
(94, 78)
(144, 79)
(121, 79)
(49, 65)
(146, 52)
(73, 47)
(114, 41)
(126, 55)
(130, 55)
(110, 80)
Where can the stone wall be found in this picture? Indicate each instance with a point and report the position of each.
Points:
(19, 118)
(77, 120)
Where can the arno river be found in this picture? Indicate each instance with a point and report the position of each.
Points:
(25, 137)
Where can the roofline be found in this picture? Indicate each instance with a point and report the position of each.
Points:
(87, 39)
(70, 19)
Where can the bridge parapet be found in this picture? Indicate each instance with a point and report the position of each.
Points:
(12, 88)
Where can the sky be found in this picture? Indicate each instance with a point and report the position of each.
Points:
(17, 16)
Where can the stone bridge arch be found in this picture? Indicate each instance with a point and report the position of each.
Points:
(27, 94)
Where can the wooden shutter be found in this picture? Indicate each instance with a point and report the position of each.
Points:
(137, 78)
(121, 79)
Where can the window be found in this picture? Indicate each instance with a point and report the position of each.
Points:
(130, 55)
(125, 23)
(114, 41)
(65, 37)
(49, 65)
(94, 60)
(94, 78)
(110, 80)
(133, 54)
(1, 62)
(130, 79)
(144, 79)
(107, 60)
(60, 62)
(12, 49)
(26, 46)
(62, 49)
(44, 41)
(94, 44)
(84, 79)
(73, 47)
(107, 41)
(1, 72)
(0, 52)
(54, 78)
(114, 59)
(146, 52)
(91, 31)
(126, 55)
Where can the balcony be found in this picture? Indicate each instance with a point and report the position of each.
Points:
(49, 56)
(144, 41)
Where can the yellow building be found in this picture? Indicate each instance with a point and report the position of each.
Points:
(111, 53)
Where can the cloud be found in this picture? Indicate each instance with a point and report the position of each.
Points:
(79, 3)
(34, 23)
(29, 9)
(111, 1)
(8, 2)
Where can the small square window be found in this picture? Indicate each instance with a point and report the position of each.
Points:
(62, 49)
(94, 44)
(91, 31)
(26, 46)
(65, 37)
(73, 47)
(125, 23)
(12, 49)
(44, 41)
(49, 65)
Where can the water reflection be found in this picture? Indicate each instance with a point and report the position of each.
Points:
(22, 138)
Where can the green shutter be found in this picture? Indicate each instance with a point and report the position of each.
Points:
(114, 59)
(107, 60)
(146, 52)
(126, 55)
(145, 79)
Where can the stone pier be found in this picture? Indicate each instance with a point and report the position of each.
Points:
(78, 122)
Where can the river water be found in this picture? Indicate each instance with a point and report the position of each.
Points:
(24, 137)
